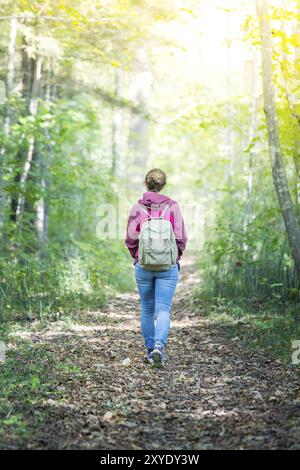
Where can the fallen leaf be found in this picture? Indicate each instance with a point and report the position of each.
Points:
(126, 362)
(108, 416)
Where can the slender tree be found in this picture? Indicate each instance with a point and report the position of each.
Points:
(138, 139)
(10, 71)
(276, 159)
(31, 87)
(116, 127)
(252, 128)
(297, 142)
(8, 91)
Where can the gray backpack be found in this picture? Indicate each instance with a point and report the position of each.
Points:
(157, 244)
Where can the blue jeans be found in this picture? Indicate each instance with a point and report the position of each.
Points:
(156, 290)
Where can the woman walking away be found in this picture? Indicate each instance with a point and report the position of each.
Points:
(156, 238)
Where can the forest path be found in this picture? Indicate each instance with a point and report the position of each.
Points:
(212, 394)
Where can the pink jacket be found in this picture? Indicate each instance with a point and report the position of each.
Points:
(155, 203)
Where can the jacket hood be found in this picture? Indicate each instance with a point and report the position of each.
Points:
(153, 199)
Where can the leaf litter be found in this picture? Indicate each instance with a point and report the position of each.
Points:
(212, 393)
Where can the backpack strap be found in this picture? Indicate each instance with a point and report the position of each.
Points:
(164, 210)
(145, 211)
(162, 214)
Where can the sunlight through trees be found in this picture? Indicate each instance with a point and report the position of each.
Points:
(95, 93)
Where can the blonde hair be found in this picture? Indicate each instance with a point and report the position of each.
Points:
(155, 180)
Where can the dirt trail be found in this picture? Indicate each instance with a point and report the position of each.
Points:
(211, 395)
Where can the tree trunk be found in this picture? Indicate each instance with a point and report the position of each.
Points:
(297, 140)
(229, 130)
(31, 85)
(10, 73)
(26, 74)
(278, 169)
(138, 141)
(26, 203)
(252, 126)
(42, 209)
(116, 128)
(9, 88)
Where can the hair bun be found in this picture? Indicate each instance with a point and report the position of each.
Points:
(155, 180)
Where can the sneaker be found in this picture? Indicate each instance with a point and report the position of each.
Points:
(157, 355)
(149, 357)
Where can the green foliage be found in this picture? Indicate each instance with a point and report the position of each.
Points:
(35, 287)
(236, 261)
(246, 253)
(29, 377)
(211, 149)
(268, 326)
(23, 382)
(75, 268)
